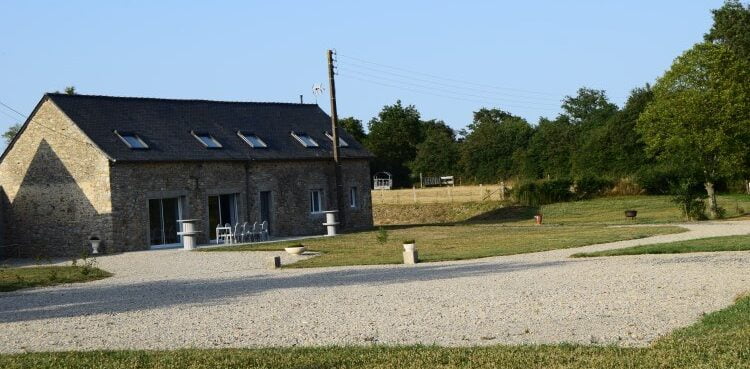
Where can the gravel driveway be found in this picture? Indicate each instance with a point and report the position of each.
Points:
(173, 299)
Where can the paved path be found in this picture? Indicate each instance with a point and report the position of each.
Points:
(171, 298)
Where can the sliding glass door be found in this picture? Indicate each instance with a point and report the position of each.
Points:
(222, 209)
(163, 215)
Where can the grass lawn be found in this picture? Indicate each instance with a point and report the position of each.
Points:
(12, 279)
(452, 242)
(720, 340)
(727, 243)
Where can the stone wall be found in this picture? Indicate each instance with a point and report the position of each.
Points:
(56, 188)
(133, 184)
(289, 183)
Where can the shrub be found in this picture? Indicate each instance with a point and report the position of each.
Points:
(543, 192)
(382, 236)
(689, 195)
(657, 181)
(626, 186)
(590, 186)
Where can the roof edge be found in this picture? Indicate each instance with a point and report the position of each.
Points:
(58, 94)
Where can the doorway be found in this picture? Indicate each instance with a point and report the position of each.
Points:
(265, 208)
(162, 217)
(222, 209)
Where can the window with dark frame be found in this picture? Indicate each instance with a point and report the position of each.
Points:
(304, 139)
(316, 201)
(207, 140)
(253, 140)
(342, 143)
(132, 140)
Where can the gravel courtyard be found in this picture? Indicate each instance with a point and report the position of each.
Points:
(174, 299)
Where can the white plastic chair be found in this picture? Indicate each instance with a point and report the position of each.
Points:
(243, 232)
(221, 234)
(254, 233)
(264, 231)
(235, 234)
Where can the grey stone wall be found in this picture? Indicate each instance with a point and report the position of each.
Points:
(289, 183)
(133, 184)
(56, 188)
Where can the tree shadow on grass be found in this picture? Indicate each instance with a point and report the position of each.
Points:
(107, 298)
(506, 214)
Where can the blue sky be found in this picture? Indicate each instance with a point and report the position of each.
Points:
(447, 58)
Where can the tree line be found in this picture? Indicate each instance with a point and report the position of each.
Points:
(692, 126)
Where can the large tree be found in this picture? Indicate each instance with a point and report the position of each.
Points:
(699, 120)
(393, 139)
(613, 148)
(549, 150)
(438, 154)
(353, 126)
(494, 138)
(588, 107)
(732, 27)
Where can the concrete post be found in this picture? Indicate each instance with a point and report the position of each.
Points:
(410, 257)
(188, 233)
(331, 222)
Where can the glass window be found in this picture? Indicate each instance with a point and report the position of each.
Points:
(342, 143)
(132, 140)
(316, 201)
(353, 197)
(207, 140)
(305, 139)
(253, 140)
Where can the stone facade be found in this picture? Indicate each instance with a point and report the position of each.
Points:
(56, 189)
(289, 184)
(61, 190)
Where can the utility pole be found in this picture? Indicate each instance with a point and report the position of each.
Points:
(335, 133)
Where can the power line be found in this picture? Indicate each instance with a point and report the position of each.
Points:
(447, 78)
(37, 122)
(453, 85)
(13, 110)
(490, 102)
(540, 95)
(445, 90)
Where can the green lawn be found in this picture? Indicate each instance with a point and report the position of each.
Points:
(727, 243)
(452, 242)
(12, 279)
(720, 340)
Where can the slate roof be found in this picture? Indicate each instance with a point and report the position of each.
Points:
(166, 125)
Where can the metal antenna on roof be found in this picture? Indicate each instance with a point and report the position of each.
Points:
(317, 90)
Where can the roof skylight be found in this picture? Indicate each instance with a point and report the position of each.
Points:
(304, 139)
(253, 140)
(207, 140)
(132, 140)
(342, 143)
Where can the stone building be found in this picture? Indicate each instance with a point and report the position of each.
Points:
(126, 169)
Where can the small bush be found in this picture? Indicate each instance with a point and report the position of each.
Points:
(543, 192)
(689, 195)
(382, 236)
(589, 187)
(626, 187)
(657, 181)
